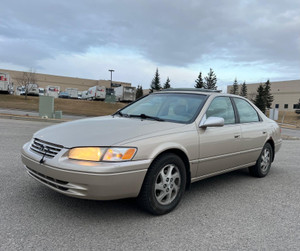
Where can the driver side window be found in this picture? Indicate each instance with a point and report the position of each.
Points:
(221, 107)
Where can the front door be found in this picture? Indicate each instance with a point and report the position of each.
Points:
(219, 146)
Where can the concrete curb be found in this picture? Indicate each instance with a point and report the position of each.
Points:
(289, 126)
(286, 137)
(31, 118)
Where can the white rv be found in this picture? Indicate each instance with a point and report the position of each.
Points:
(52, 91)
(5, 85)
(125, 93)
(97, 93)
(73, 92)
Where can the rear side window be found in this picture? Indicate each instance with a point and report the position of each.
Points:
(246, 112)
(221, 107)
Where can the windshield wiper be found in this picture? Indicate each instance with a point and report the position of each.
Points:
(120, 114)
(144, 116)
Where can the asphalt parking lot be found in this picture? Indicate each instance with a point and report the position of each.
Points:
(230, 212)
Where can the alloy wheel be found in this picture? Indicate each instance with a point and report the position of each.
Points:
(265, 160)
(167, 184)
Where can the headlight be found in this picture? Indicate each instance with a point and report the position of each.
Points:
(86, 153)
(99, 153)
(119, 154)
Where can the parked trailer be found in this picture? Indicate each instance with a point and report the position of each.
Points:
(52, 91)
(73, 92)
(5, 85)
(125, 93)
(97, 93)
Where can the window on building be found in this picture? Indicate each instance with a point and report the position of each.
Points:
(296, 106)
(277, 106)
(286, 106)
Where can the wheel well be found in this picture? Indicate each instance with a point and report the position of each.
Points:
(271, 142)
(185, 160)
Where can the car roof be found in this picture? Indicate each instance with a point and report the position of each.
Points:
(191, 90)
(202, 91)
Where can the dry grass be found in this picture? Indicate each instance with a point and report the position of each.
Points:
(69, 106)
(289, 118)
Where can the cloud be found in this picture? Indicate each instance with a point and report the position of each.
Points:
(133, 68)
(171, 34)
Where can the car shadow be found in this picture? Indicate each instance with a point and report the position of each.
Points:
(128, 208)
(219, 182)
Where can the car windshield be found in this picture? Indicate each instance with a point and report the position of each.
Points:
(173, 107)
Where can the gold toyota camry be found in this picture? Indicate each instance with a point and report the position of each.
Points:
(154, 148)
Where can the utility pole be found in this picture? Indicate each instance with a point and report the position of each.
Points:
(111, 72)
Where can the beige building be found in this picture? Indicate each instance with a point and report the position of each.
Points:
(44, 80)
(286, 93)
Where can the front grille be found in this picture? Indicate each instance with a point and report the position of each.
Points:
(44, 148)
(59, 184)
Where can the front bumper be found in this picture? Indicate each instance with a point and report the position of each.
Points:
(108, 181)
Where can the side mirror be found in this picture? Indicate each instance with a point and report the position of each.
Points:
(212, 122)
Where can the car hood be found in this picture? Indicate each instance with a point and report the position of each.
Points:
(103, 131)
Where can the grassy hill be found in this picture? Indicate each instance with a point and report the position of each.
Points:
(69, 106)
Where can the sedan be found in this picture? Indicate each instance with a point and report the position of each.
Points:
(154, 148)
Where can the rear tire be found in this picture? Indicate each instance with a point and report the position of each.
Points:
(263, 163)
(164, 185)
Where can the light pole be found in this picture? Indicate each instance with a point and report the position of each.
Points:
(111, 71)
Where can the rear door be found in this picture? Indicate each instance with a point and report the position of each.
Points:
(253, 130)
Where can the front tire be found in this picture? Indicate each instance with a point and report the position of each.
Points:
(263, 163)
(164, 185)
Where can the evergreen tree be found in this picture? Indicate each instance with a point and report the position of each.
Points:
(139, 92)
(155, 84)
(211, 80)
(235, 87)
(268, 96)
(260, 98)
(199, 81)
(167, 84)
(243, 92)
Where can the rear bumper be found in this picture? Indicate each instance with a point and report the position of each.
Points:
(89, 185)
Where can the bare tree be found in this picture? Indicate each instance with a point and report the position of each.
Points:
(28, 80)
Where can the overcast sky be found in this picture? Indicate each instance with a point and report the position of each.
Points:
(249, 40)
